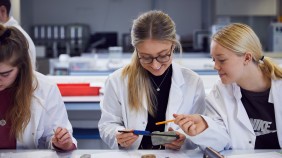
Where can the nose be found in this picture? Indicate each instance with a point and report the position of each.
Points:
(216, 66)
(155, 64)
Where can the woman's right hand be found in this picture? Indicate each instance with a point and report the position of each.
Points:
(191, 124)
(125, 140)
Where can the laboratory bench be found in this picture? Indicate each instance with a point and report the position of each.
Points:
(137, 153)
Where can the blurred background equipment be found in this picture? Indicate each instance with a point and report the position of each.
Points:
(77, 36)
(61, 39)
(275, 41)
(101, 41)
(201, 40)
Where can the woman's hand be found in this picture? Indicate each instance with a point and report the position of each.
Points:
(191, 124)
(176, 144)
(62, 139)
(125, 140)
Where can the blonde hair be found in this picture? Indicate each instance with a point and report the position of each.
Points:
(14, 51)
(240, 38)
(154, 25)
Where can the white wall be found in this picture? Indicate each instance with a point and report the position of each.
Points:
(185, 13)
(247, 7)
(16, 10)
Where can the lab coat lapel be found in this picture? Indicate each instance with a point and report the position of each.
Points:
(276, 99)
(175, 95)
(144, 102)
(30, 133)
(241, 112)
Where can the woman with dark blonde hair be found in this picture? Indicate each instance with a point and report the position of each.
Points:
(245, 109)
(150, 89)
(32, 113)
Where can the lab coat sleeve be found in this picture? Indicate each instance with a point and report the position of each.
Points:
(216, 135)
(111, 114)
(55, 116)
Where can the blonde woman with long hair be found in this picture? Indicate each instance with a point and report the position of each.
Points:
(32, 112)
(150, 89)
(244, 109)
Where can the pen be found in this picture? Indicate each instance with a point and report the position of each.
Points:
(164, 122)
(147, 133)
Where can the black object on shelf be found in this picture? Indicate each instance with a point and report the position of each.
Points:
(101, 41)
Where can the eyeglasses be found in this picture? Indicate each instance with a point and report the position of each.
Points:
(160, 58)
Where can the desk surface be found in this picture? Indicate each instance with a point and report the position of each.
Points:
(119, 153)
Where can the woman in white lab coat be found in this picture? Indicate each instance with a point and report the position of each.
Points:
(150, 89)
(244, 110)
(32, 113)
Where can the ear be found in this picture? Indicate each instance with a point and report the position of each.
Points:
(248, 58)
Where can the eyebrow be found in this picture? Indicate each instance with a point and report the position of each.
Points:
(150, 54)
(1, 73)
(218, 55)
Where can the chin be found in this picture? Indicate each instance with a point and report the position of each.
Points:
(224, 81)
(158, 72)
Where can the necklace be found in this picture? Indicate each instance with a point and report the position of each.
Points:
(2, 122)
(158, 87)
(4, 109)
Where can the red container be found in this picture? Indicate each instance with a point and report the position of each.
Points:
(78, 89)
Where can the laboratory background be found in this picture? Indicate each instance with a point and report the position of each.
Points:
(79, 43)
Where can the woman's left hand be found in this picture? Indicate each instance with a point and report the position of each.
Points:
(176, 144)
(62, 139)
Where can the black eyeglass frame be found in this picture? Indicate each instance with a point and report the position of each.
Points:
(157, 58)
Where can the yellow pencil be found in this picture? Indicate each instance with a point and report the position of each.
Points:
(164, 122)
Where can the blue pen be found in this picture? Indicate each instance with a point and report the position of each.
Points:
(147, 133)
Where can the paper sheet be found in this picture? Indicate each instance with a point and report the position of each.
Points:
(258, 155)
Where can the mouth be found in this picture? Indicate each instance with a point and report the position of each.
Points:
(157, 69)
(222, 74)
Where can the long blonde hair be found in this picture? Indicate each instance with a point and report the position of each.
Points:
(240, 38)
(154, 25)
(14, 51)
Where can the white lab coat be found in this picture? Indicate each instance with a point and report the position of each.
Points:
(186, 97)
(229, 124)
(32, 53)
(47, 113)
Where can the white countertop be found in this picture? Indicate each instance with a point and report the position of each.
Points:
(134, 153)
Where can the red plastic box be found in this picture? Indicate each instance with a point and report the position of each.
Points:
(78, 89)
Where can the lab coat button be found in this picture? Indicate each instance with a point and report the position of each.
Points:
(143, 122)
(250, 142)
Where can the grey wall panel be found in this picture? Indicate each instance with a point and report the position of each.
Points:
(115, 15)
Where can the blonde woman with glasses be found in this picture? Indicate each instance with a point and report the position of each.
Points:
(150, 89)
